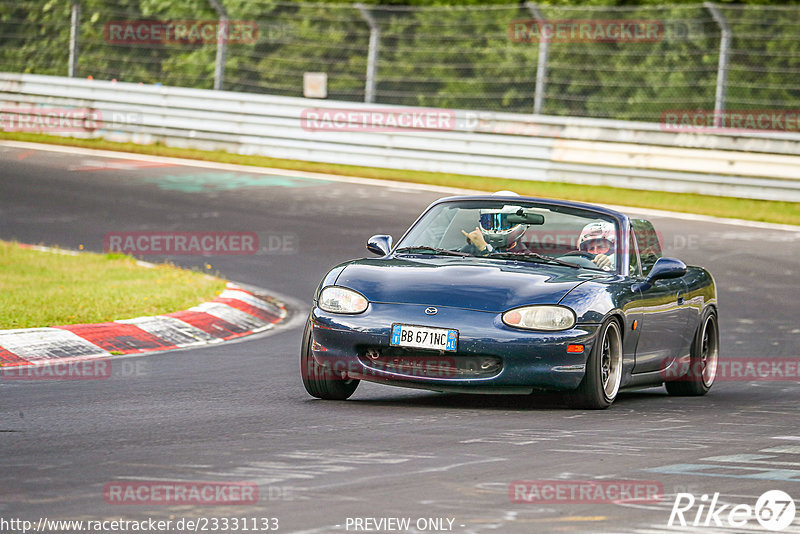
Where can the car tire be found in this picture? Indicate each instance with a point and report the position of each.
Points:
(319, 381)
(703, 360)
(600, 384)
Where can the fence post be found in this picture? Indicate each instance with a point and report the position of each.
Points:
(222, 44)
(722, 68)
(73, 39)
(372, 57)
(541, 66)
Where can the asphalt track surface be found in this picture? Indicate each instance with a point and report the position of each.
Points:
(238, 412)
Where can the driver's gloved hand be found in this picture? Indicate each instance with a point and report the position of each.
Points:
(476, 238)
(602, 261)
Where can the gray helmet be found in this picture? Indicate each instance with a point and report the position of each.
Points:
(497, 230)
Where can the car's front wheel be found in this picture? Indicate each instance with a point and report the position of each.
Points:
(600, 384)
(703, 361)
(321, 382)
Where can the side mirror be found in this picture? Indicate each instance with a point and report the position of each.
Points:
(664, 269)
(380, 244)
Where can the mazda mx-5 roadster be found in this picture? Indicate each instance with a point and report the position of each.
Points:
(507, 294)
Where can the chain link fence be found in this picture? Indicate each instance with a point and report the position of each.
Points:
(633, 63)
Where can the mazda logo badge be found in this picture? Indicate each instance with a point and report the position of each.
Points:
(431, 311)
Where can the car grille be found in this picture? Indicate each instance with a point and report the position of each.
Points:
(415, 363)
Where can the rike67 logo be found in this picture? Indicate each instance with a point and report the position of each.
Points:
(774, 510)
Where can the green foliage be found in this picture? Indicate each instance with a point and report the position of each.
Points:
(434, 54)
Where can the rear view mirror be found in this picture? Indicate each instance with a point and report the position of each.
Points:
(522, 217)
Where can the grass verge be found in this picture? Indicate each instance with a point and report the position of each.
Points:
(737, 208)
(48, 289)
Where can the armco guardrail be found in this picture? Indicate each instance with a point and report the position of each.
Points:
(587, 151)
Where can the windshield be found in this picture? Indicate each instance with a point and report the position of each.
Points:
(515, 230)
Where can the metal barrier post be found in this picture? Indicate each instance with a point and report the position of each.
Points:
(73, 38)
(541, 66)
(722, 68)
(222, 44)
(372, 57)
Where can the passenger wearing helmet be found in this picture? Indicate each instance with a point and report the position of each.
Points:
(599, 239)
(495, 232)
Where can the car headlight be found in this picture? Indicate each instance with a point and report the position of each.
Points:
(540, 318)
(336, 299)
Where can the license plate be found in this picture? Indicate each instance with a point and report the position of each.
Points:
(424, 337)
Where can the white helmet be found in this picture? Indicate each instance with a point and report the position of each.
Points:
(598, 230)
(496, 228)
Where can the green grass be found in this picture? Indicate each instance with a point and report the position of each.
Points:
(49, 289)
(738, 208)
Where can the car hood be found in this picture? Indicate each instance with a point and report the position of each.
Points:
(493, 286)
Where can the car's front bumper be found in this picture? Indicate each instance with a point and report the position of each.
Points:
(516, 360)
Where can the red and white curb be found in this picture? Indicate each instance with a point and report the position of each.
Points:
(236, 312)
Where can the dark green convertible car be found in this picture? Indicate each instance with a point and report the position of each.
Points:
(508, 294)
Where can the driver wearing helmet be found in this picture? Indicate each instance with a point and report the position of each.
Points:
(495, 232)
(599, 239)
